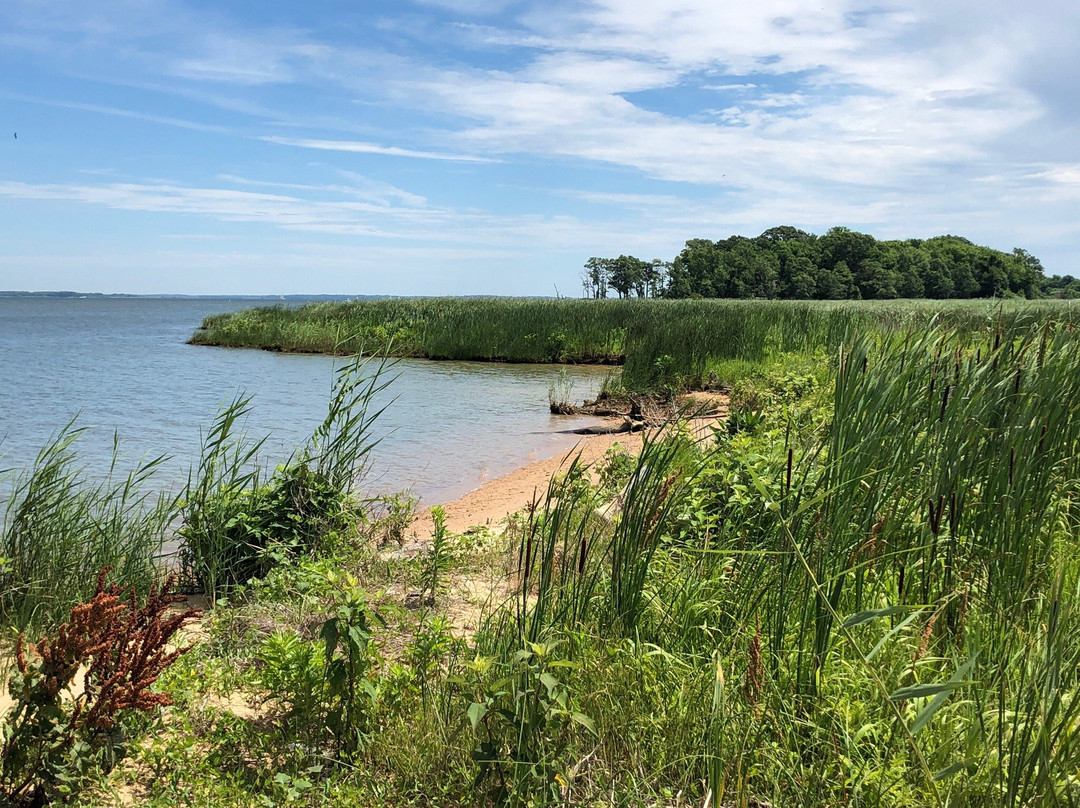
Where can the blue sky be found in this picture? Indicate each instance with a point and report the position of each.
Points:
(492, 146)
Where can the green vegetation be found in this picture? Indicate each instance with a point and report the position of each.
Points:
(665, 344)
(791, 264)
(859, 590)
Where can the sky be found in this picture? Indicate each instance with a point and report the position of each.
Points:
(493, 146)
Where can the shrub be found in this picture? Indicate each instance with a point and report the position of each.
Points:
(235, 528)
(327, 685)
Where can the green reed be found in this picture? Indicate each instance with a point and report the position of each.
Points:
(61, 527)
(664, 344)
(883, 603)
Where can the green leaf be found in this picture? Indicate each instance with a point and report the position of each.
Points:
(921, 691)
(927, 712)
(549, 681)
(585, 721)
(949, 771)
(358, 637)
(477, 711)
(892, 633)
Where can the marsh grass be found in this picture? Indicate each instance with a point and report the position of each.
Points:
(239, 521)
(874, 609)
(664, 344)
(61, 527)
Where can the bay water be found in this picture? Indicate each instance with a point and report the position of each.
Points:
(121, 367)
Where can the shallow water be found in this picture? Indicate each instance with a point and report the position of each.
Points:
(122, 365)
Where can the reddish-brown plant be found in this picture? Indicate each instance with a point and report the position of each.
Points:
(121, 647)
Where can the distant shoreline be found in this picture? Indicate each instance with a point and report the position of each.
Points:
(66, 295)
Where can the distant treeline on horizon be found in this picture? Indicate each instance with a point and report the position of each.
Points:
(790, 264)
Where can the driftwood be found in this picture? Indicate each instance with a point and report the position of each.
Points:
(627, 425)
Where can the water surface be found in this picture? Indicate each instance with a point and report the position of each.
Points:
(122, 366)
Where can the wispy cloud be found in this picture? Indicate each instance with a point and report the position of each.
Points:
(362, 147)
(100, 109)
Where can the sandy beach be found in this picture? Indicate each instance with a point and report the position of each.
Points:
(496, 499)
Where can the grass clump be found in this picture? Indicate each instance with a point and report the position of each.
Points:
(237, 527)
(60, 527)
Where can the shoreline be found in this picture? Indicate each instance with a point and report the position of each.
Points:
(499, 497)
(496, 499)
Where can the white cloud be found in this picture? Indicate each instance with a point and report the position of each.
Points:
(361, 147)
(908, 117)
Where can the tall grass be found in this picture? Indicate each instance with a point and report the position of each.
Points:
(61, 527)
(239, 521)
(876, 609)
(663, 343)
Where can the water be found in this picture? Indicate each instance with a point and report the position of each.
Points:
(123, 367)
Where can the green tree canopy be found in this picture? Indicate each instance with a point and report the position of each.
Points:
(789, 263)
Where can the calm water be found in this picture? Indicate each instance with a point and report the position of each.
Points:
(123, 366)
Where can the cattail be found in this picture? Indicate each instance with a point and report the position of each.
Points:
(790, 459)
(924, 640)
(582, 551)
(874, 548)
(944, 402)
(528, 556)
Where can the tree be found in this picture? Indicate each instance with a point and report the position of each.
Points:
(783, 233)
(876, 282)
(836, 283)
(696, 271)
(655, 273)
(790, 263)
(595, 277)
(849, 246)
(626, 274)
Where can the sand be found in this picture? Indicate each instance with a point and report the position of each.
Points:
(492, 502)
(496, 499)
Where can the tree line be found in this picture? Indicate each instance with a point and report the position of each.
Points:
(788, 263)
